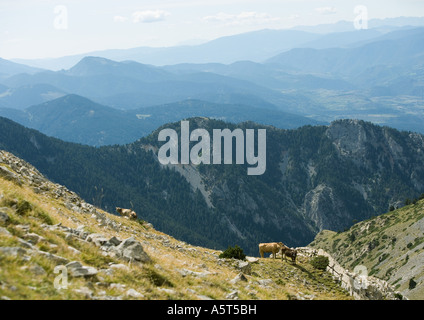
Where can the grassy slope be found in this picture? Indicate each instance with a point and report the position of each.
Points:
(18, 280)
(391, 246)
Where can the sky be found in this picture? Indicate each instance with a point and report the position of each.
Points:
(32, 29)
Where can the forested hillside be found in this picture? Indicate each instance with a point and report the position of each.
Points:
(321, 177)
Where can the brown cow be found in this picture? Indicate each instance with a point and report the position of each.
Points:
(273, 247)
(127, 213)
(287, 252)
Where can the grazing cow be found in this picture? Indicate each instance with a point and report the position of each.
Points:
(273, 247)
(127, 213)
(287, 252)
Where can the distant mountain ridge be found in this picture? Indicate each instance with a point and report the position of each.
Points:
(77, 119)
(389, 51)
(9, 68)
(130, 85)
(256, 46)
(375, 75)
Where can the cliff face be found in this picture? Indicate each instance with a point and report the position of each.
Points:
(325, 177)
(379, 163)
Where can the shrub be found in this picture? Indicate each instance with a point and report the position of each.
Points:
(235, 252)
(23, 207)
(412, 284)
(320, 262)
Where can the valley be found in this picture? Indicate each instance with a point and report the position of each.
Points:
(299, 194)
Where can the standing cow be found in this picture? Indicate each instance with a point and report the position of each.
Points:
(288, 252)
(273, 247)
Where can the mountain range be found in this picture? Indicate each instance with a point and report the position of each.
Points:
(375, 75)
(300, 193)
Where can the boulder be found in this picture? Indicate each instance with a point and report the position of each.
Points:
(245, 267)
(131, 250)
(115, 241)
(252, 259)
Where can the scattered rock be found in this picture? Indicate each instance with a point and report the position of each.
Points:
(97, 238)
(23, 227)
(238, 278)
(33, 238)
(76, 269)
(233, 295)
(118, 286)
(303, 296)
(25, 244)
(131, 250)
(115, 241)
(74, 251)
(265, 282)
(52, 257)
(119, 266)
(168, 291)
(134, 294)
(88, 293)
(9, 175)
(4, 217)
(35, 269)
(245, 267)
(185, 272)
(13, 251)
(252, 259)
(4, 232)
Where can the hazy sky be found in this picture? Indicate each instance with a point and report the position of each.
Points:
(51, 28)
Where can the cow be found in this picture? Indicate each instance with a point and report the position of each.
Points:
(127, 213)
(288, 252)
(273, 247)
